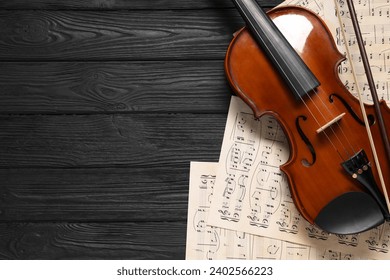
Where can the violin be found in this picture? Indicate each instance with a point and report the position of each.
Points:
(284, 63)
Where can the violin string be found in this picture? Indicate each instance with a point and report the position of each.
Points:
(331, 127)
(318, 122)
(288, 78)
(332, 116)
(310, 111)
(338, 124)
(307, 107)
(342, 130)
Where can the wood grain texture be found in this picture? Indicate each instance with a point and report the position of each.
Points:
(95, 194)
(154, 240)
(113, 87)
(116, 35)
(103, 104)
(123, 4)
(109, 140)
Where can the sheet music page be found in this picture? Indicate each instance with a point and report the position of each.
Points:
(251, 193)
(206, 242)
(374, 21)
(203, 241)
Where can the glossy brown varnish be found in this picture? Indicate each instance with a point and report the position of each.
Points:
(252, 77)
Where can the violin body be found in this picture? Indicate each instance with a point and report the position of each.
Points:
(323, 191)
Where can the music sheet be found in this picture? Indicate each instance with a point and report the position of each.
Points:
(207, 243)
(251, 194)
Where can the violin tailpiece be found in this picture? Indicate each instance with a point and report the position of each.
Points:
(359, 168)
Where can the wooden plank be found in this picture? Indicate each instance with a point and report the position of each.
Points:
(92, 240)
(109, 140)
(113, 87)
(116, 35)
(95, 194)
(123, 4)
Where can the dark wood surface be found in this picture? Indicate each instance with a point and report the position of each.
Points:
(103, 106)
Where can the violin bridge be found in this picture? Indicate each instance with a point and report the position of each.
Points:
(336, 119)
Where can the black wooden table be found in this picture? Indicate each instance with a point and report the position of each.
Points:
(103, 106)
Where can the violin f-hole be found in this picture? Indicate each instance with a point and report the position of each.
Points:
(371, 118)
(306, 140)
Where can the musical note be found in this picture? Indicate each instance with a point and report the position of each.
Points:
(379, 239)
(349, 240)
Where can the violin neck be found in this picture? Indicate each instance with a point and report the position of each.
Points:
(284, 58)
